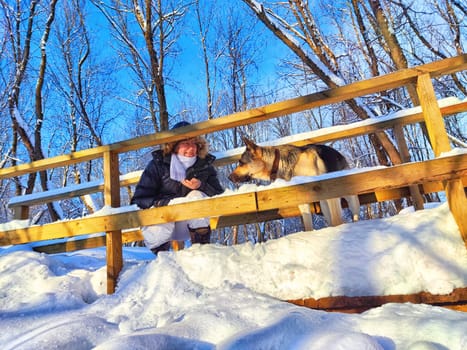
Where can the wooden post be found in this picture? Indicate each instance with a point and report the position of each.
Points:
(113, 238)
(439, 141)
(432, 115)
(21, 212)
(417, 198)
(177, 245)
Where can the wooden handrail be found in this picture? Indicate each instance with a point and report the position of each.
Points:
(132, 235)
(339, 94)
(329, 134)
(344, 183)
(240, 203)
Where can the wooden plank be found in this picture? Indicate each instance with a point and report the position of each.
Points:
(72, 245)
(245, 218)
(439, 169)
(71, 191)
(365, 198)
(222, 221)
(132, 235)
(415, 194)
(98, 152)
(324, 135)
(216, 206)
(53, 162)
(444, 67)
(432, 115)
(457, 200)
(353, 90)
(56, 194)
(369, 126)
(439, 141)
(261, 216)
(87, 243)
(111, 180)
(113, 237)
(21, 212)
(434, 170)
(362, 303)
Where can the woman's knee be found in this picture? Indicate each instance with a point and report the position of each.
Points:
(196, 194)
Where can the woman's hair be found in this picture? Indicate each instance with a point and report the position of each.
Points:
(201, 143)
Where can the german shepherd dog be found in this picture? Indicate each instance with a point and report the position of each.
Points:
(285, 161)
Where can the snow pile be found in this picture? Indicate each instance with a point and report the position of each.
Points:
(216, 297)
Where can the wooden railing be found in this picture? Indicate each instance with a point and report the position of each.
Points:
(448, 106)
(347, 183)
(448, 170)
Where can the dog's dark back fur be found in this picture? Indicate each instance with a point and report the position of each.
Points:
(333, 160)
(289, 154)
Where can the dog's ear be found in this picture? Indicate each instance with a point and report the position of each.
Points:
(255, 150)
(249, 144)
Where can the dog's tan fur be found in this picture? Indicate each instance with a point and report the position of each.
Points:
(257, 162)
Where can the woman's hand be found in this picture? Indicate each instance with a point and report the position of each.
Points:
(192, 184)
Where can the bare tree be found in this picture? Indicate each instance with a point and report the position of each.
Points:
(75, 48)
(19, 59)
(238, 48)
(438, 43)
(31, 137)
(318, 56)
(146, 54)
(384, 35)
(204, 26)
(80, 83)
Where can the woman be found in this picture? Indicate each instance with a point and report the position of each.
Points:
(181, 169)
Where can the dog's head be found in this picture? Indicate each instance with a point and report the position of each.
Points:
(251, 165)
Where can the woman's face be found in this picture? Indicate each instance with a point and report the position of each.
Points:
(187, 148)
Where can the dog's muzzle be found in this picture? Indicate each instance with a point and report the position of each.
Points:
(236, 178)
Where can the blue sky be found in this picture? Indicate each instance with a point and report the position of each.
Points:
(188, 68)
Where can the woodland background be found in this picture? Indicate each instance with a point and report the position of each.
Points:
(76, 74)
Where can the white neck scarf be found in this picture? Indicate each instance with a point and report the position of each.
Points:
(178, 166)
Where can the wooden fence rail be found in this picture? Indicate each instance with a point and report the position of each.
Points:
(448, 106)
(132, 235)
(450, 170)
(339, 184)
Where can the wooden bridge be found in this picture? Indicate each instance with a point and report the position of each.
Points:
(447, 173)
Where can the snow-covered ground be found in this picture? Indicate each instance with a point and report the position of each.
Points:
(218, 297)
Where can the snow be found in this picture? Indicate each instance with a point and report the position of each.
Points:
(231, 297)
(219, 297)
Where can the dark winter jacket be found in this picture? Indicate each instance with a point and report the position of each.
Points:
(156, 188)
